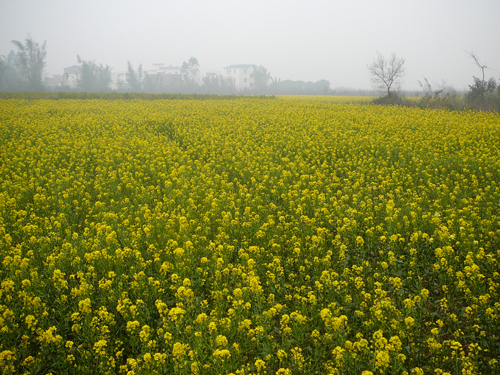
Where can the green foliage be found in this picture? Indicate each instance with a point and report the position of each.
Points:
(31, 62)
(484, 94)
(135, 79)
(261, 78)
(190, 71)
(217, 84)
(289, 87)
(247, 237)
(11, 78)
(93, 77)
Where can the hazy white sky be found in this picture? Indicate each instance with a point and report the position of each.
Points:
(298, 40)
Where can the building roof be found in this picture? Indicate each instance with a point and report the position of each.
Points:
(236, 66)
(170, 67)
(75, 69)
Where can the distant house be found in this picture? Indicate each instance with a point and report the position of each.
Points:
(70, 76)
(240, 75)
(54, 81)
(75, 69)
(163, 78)
(119, 80)
(159, 68)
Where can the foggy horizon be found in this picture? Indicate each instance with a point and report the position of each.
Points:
(296, 40)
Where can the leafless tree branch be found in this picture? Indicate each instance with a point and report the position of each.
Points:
(387, 72)
(482, 67)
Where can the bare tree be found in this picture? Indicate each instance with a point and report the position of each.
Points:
(482, 90)
(482, 67)
(31, 62)
(387, 73)
(432, 91)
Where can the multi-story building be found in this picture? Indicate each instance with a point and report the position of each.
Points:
(240, 75)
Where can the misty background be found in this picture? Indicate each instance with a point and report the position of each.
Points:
(293, 40)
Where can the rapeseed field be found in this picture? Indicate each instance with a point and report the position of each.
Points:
(248, 236)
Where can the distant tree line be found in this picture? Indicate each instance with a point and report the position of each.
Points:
(23, 71)
(289, 87)
(93, 77)
(97, 78)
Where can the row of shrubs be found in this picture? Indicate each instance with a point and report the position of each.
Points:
(483, 95)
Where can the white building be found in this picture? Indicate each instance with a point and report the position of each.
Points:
(240, 75)
(164, 78)
(159, 68)
(54, 81)
(70, 76)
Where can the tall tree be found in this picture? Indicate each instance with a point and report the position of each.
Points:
(93, 77)
(135, 79)
(3, 67)
(481, 87)
(190, 71)
(217, 84)
(261, 78)
(387, 73)
(483, 94)
(31, 62)
(11, 79)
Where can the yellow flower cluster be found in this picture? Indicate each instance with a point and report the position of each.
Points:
(248, 236)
